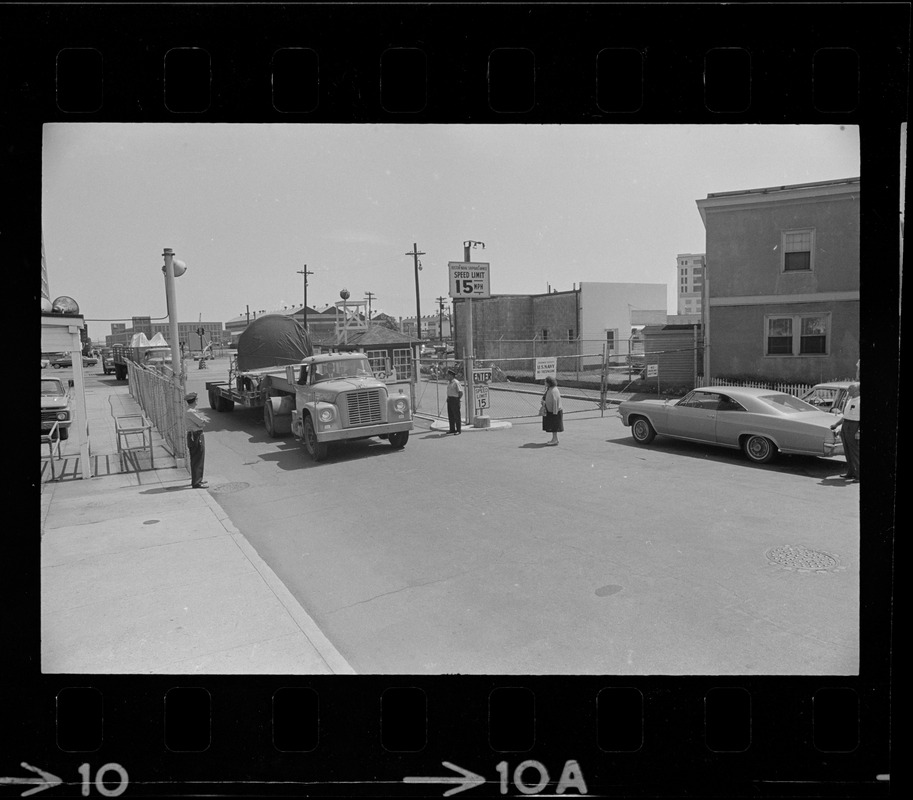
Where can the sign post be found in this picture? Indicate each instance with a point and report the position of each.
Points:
(469, 279)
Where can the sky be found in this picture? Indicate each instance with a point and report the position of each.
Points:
(246, 207)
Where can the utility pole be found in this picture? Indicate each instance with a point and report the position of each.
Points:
(370, 296)
(440, 323)
(304, 309)
(415, 253)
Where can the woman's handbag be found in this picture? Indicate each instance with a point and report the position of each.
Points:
(542, 409)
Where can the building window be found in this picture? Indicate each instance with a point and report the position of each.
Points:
(402, 364)
(545, 334)
(798, 335)
(570, 334)
(798, 249)
(378, 359)
(610, 340)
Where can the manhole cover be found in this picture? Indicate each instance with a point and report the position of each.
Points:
(802, 559)
(228, 488)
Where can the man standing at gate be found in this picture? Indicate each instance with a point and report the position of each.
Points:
(195, 420)
(454, 393)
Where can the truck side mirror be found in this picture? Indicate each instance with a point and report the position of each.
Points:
(70, 383)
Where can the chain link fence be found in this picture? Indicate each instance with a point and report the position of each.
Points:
(161, 396)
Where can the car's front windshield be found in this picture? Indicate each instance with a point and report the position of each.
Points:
(786, 403)
(51, 388)
(344, 368)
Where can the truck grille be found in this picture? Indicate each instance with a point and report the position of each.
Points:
(364, 408)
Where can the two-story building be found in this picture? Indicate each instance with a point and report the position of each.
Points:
(781, 282)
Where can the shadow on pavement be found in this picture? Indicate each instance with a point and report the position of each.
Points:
(810, 466)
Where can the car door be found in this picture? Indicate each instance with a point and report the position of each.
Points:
(694, 416)
(730, 421)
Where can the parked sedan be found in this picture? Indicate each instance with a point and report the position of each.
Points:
(66, 360)
(829, 396)
(761, 422)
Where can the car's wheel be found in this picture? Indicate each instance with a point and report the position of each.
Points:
(56, 366)
(398, 440)
(642, 430)
(316, 450)
(759, 449)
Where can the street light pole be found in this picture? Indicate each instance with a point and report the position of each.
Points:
(440, 319)
(415, 253)
(304, 308)
(170, 273)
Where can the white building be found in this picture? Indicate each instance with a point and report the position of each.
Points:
(690, 282)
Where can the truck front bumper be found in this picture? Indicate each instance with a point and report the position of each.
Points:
(382, 429)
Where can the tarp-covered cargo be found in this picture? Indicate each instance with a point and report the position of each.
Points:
(273, 340)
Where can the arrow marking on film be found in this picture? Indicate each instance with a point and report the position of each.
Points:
(469, 780)
(46, 781)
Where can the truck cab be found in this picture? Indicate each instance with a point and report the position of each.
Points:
(338, 398)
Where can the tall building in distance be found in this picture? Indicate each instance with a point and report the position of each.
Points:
(690, 282)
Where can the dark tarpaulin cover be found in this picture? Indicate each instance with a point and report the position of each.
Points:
(273, 340)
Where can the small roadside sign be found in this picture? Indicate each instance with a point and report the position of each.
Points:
(652, 370)
(481, 396)
(469, 279)
(481, 376)
(545, 367)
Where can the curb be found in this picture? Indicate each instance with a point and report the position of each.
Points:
(324, 648)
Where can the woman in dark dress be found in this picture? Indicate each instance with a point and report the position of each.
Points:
(553, 418)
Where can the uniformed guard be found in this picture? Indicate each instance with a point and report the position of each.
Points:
(195, 420)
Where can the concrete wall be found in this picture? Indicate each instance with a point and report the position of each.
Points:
(615, 305)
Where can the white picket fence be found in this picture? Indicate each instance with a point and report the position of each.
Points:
(796, 389)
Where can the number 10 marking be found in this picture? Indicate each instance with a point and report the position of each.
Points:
(86, 771)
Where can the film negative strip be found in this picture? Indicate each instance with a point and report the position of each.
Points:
(787, 728)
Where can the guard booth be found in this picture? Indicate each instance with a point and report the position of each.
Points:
(60, 334)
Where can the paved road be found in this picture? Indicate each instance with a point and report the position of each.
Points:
(491, 553)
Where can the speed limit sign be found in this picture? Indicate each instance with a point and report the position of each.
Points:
(469, 279)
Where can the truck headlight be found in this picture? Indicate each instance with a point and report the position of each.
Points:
(62, 415)
(399, 406)
(326, 414)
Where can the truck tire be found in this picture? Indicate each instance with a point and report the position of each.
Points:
(316, 450)
(63, 433)
(398, 440)
(213, 402)
(120, 372)
(277, 415)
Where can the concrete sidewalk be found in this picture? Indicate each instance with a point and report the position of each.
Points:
(142, 574)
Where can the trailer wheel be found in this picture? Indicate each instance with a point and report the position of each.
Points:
(213, 402)
(316, 450)
(398, 440)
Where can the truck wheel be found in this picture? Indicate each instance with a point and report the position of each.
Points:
(277, 423)
(317, 450)
(398, 440)
(64, 433)
(213, 402)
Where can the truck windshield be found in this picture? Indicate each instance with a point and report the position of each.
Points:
(346, 368)
(51, 388)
